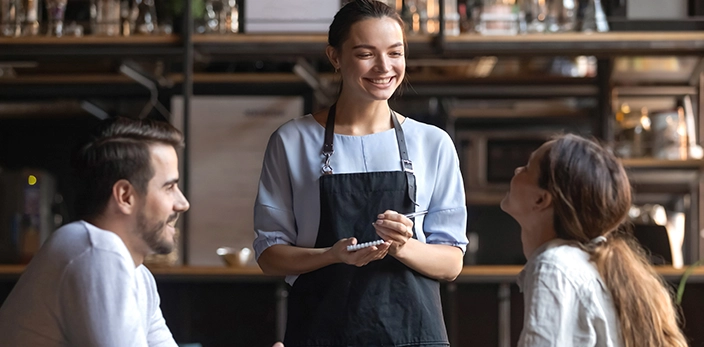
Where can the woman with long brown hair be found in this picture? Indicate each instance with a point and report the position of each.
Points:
(586, 282)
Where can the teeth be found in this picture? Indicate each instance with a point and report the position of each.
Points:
(382, 81)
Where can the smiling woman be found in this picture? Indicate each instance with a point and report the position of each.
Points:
(326, 176)
(371, 60)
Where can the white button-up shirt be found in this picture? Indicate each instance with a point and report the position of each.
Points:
(566, 301)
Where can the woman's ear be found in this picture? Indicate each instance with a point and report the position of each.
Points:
(543, 201)
(124, 196)
(333, 57)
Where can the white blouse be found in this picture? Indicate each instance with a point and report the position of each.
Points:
(566, 302)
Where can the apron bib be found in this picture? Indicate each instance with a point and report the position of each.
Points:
(383, 303)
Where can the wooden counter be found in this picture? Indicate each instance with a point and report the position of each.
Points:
(470, 274)
(195, 298)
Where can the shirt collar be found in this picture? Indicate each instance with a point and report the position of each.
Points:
(544, 247)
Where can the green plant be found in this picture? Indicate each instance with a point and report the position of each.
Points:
(683, 280)
(177, 6)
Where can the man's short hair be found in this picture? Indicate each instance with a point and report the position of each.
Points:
(118, 149)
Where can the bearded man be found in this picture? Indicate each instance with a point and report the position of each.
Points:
(87, 285)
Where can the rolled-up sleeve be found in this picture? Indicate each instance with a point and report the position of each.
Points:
(447, 227)
(446, 223)
(274, 222)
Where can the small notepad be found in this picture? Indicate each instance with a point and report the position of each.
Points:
(364, 245)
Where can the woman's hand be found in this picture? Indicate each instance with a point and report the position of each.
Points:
(359, 257)
(394, 228)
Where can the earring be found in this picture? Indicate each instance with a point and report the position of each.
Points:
(337, 69)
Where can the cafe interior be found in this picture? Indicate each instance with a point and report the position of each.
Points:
(499, 76)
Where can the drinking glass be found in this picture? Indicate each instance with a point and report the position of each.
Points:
(55, 11)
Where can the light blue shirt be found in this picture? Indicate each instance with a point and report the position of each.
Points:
(566, 302)
(287, 209)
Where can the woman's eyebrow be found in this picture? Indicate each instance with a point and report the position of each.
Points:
(397, 44)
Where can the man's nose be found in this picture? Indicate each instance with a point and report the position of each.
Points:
(182, 204)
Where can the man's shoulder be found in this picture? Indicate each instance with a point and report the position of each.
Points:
(80, 244)
(74, 238)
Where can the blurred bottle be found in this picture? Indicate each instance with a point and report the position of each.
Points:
(28, 17)
(105, 17)
(500, 17)
(452, 18)
(416, 16)
(537, 15)
(55, 10)
(221, 17)
(9, 23)
(30, 242)
(143, 17)
(232, 17)
(593, 17)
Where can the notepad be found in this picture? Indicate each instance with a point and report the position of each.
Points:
(364, 245)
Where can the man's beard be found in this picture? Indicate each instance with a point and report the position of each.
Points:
(152, 235)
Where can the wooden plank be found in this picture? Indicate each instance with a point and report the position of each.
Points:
(662, 163)
(92, 40)
(469, 274)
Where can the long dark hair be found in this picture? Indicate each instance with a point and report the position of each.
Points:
(591, 198)
(118, 149)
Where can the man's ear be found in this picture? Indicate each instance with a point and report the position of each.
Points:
(333, 57)
(124, 196)
(543, 201)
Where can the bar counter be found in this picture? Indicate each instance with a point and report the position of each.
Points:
(470, 274)
(483, 306)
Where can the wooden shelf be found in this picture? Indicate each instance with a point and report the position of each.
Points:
(34, 47)
(226, 78)
(67, 79)
(294, 46)
(636, 163)
(469, 45)
(90, 40)
(285, 46)
(572, 44)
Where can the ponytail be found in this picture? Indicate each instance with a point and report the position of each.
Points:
(643, 301)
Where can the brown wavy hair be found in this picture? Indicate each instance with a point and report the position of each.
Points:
(591, 198)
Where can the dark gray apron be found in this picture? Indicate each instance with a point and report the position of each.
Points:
(384, 303)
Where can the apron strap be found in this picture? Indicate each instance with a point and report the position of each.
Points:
(406, 164)
(329, 136)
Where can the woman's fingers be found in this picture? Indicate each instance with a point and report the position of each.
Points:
(366, 255)
(394, 231)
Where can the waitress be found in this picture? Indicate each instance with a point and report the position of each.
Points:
(346, 175)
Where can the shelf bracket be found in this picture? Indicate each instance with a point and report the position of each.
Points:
(151, 84)
(94, 110)
(320, 87)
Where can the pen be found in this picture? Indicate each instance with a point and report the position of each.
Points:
(416, 214)
(378, 242)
